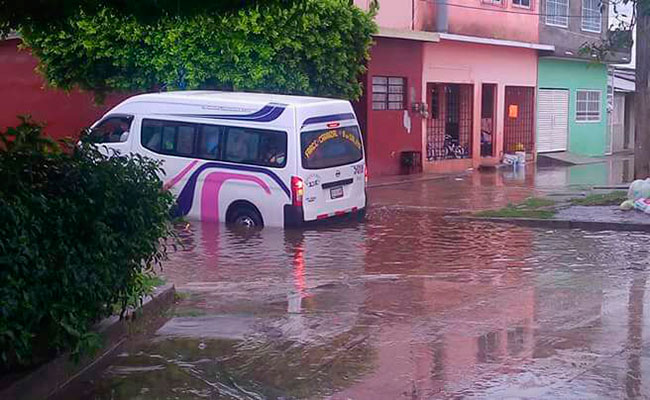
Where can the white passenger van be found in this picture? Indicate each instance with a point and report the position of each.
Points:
(248, 159)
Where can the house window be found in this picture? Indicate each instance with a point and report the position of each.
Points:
(521, 3)
(588, 106)
(388, 92)
(557, 13)
(591, 16)
(493, 2)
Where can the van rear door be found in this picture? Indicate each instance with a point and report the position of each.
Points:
(333, 171)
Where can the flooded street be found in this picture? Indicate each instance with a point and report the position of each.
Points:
(405, 305)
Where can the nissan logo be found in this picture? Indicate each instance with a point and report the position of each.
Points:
(338, 173)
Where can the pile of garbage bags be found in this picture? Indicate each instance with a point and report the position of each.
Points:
(638, 196)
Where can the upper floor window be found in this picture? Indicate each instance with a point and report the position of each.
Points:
(521, 3)
(557, 13)
(214, 142)
(388, 92)
(591, 16)
(113, 129)
(588, 105)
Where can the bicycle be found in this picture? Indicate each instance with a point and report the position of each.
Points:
(451, 148)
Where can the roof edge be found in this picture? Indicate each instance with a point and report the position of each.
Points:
(496, 42)
(420, 36)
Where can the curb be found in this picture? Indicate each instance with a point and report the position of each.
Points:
(48, 379)
(561, 223)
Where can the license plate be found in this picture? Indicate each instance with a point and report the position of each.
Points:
(336, 192)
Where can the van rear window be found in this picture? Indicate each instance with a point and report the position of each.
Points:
(329, 148)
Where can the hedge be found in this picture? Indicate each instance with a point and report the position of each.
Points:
(79, 234)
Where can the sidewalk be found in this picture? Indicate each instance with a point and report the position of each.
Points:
(383, 181)
(567, 158)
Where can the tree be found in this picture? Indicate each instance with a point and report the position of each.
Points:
(642, 97)
(15, 14)
(638, 18)
(310, 47)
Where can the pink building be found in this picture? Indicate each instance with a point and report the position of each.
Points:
(450, 86)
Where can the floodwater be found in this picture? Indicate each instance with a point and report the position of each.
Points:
(407, 305)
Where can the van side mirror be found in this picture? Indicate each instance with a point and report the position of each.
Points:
(124, 137)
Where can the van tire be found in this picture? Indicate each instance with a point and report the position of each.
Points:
(244, 216)
(361, 215)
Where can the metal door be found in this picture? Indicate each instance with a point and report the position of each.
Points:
(553, 120)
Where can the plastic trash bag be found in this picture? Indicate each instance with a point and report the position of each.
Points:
(642, 205)
(639, 189)
(627, 205)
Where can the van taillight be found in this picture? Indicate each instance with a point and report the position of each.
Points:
(365, 173)
(297, 190)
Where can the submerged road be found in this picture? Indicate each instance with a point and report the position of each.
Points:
(405, 305)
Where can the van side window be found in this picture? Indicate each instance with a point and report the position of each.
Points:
(168, 137)
(209, 146)
(256, 146)
(215, 142)
(112, 129)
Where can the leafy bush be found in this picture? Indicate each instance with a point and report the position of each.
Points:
(78, 231)
(313, 47)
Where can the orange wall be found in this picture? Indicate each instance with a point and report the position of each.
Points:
(23, 91)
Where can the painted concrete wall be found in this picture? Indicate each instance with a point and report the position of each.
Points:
(465, 17)
(23, 91)
(394, 14)
(488, 20)
(416, 15)
(585, 138)
(457, 62)
(568, 41)
(385, 133)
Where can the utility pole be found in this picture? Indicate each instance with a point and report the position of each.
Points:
(642, 95)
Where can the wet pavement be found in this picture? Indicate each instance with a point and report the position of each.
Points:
(611, 214)
(405, 305)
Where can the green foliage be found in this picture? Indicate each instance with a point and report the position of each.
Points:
(79, 233)
(532, 207)
(601, 199)
(14, 14)
(311, 47)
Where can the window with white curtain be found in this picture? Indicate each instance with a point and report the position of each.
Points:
(557, 13)
(591, 16)
(588, 105)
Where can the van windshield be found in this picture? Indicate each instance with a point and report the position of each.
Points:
(329, 148)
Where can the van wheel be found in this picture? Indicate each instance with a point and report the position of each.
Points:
(360, 215)
(246, 217)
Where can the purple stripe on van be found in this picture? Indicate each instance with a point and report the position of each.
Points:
(268, 113)
(327, 118)
(186, 197)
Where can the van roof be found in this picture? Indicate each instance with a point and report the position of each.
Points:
(210, 97)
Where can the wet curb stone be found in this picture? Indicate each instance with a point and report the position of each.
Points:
(53, 376)
(560, 223)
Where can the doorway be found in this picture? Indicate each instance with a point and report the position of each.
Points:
(488, 119)
(553, 120)
(449, 125)
(519, 123)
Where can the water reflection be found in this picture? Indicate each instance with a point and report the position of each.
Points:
(407, 304)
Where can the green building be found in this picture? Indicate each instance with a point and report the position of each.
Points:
(572, 84)
(572, 107)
